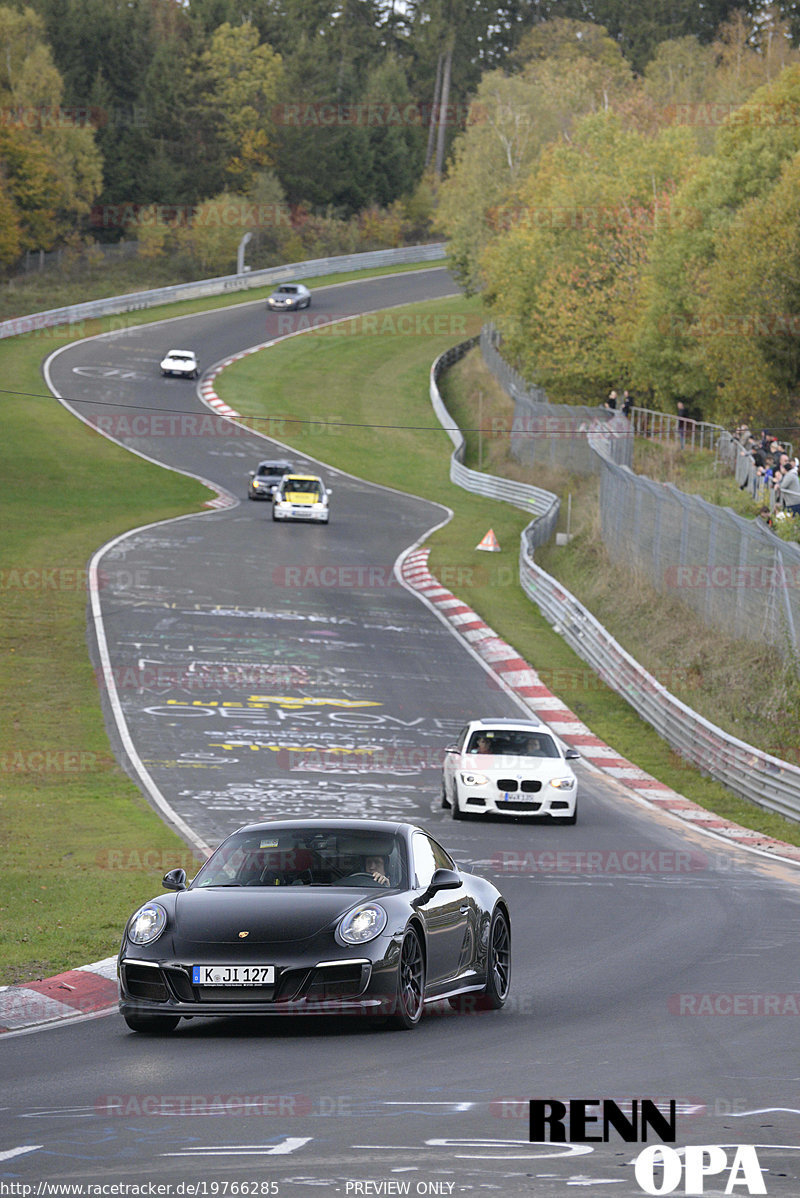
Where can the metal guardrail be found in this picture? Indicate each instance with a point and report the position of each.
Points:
(748, 772)
(542, 504)
(200, 288)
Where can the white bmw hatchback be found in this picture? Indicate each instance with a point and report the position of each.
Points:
(509, 767)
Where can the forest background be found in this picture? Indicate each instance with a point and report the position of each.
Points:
(620, 180)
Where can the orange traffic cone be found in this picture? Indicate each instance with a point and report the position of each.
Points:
(489, 543)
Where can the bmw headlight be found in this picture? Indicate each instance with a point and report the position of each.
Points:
(474, 779)
(562, 783)
(362, 924)
(147, 924)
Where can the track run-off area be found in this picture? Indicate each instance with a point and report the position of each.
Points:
(237, 690)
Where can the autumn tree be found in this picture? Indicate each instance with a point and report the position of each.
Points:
(747, 326)
(511, 121)
(562, 281)
(50, 165)
(753, 146)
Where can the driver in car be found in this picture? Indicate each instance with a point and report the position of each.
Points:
(376, 865)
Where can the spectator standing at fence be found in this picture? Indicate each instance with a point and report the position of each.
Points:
(611, 402)
(627, 403)
(769, 472)
(777, 475)
(682, 416)
(765, 515)
(790, 489)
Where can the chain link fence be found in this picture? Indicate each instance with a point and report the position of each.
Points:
(658, 519)
(542, 504)
(509, 379)
(733, 573)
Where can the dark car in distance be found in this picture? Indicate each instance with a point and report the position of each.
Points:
(264, 480)
(317, 917)
(289, 296)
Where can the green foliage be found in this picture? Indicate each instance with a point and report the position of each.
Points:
(753, 146)
(568, 69)
(48, 158)
(245, 79)
(562, 281)
(748, 318)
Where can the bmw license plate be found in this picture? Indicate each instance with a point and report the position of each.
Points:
(233, 975)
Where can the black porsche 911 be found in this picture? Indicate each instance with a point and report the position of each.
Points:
(310, 917)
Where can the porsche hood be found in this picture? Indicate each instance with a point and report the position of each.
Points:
(269, 914)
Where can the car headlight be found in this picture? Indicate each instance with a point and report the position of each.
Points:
(362, 924)
(562, 783)
(147, 924)
(474, 779)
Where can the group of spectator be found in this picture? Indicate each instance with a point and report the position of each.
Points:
(774, 478)
(625, 405)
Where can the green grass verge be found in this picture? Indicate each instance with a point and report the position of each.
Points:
(81, 847)
(373, 394)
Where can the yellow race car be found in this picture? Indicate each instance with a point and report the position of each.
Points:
(301, 497)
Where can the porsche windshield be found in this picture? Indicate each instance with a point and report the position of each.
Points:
(307, 857)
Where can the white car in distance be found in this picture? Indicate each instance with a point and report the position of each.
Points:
(182, 362)
(509, 767)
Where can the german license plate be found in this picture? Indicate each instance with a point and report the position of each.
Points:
(233, 975)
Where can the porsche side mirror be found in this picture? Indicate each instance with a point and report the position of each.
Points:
(444, 879)
(451, 749)
(174, 880)
(252, 473)
(572, 755)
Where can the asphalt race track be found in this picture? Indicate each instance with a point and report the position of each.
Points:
(267, 669)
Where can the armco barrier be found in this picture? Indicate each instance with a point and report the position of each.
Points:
(541, 504)
(138, 300)
(746, 771)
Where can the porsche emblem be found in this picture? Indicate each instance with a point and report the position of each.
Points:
(243, 934)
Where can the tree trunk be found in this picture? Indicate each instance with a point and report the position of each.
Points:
(448, 63)
(437, 89)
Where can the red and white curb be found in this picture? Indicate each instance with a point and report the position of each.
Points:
(207, 392)
(210, 397)
(520, 677)
(83, 991)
